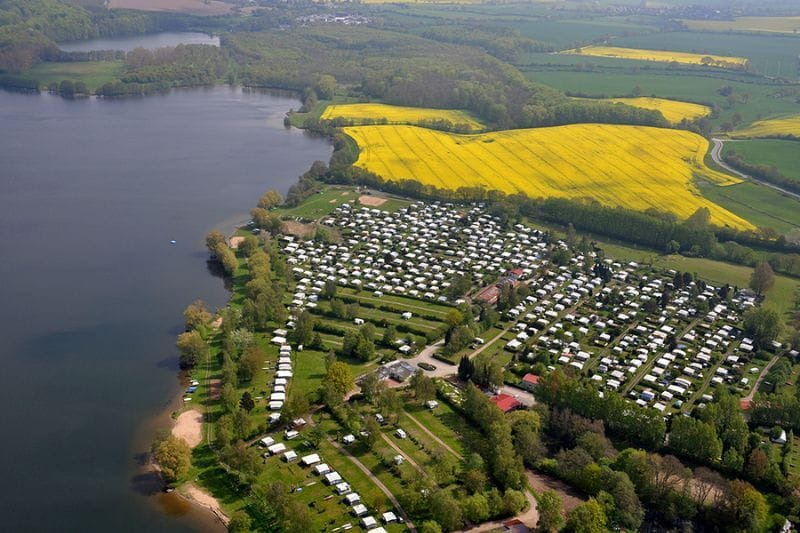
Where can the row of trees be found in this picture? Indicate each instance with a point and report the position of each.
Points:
(768, 173)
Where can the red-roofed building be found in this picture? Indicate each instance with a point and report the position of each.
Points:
(489, 295)
(505, 402)
(530, 381)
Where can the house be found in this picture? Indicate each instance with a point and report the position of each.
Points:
(360, 509)
(388, 517)
(369, 522)
(431, 404)
(322, 469)
(276, 448)
(342, 488)
(333, 478)
(505, 402)
(352, 498)
(400, 434)
(266, 442)
(530, 381)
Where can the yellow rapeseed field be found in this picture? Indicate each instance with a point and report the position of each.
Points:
(398, 114)
(774, 127)
(673, 110)
(659, 55)
(636, 167)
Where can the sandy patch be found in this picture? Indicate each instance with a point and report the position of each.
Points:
(298, 229)
(372, 201)
(346, 193)
(215, 389)
(570, 498)
(189, 427)
(192, 7)
(205, 500)
(235, 242)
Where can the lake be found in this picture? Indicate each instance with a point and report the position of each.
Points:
(92, 192)
(150, 41)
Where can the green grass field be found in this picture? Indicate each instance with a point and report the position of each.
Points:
(783, 154)
(93, 73)
(320, 204)
(758, 204)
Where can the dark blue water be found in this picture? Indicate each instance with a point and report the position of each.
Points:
(150, 41)
(91, 291)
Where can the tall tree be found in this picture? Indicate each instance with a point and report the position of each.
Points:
(763, 278)
(551, 518)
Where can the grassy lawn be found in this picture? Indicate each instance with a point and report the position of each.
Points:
(319, 205)
(433, 420)
(93, 73)
(764, 207)
(408, 304)
(783, 154)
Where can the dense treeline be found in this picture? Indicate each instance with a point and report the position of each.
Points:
(502, 43)
(768, 173)
(148, 71)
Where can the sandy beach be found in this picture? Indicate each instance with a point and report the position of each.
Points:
(189, 427)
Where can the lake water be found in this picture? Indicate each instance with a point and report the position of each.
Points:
(126, 44)
(91, 193)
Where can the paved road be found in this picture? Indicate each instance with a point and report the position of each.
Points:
(716, 155)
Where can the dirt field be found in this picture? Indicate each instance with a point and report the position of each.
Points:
(189, 427)
(569, 496)
(192, 7)
(215, 389)
(371, 201)
(298, 229)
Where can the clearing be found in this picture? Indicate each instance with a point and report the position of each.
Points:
(191, 7)
(630, 166)
(189, 427)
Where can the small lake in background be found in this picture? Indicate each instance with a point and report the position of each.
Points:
(151, 41)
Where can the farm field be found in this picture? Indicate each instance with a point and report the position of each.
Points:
(776, 127)
(635, 167)
(748, 24)
(398, 114)
(664, 56)
(785, 155)
(673, 110)
(761, 205)
(769, 55)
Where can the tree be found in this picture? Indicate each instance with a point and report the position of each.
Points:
(695, 440)
(423, 387)
(550, 516)
(763, 324)
(239, 523)
(247, 403)
(371, 387)
(192, 349)
(325, 86)
(748, 509)
(587, 518)
(389, 337)
(465, 368)
(213, 240)
(270, 199)
(339, 378)
(228, 397)
(762, 279)
(195, 315)
(250, 362)
(476, 508)
(429, 526)
(373, 432)
(241, 424)
(446, 511)
(173, 456)
(303, 331)
(329, 290)
(296, 405)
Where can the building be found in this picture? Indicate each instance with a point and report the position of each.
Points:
(530, 381)
(505, 402)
